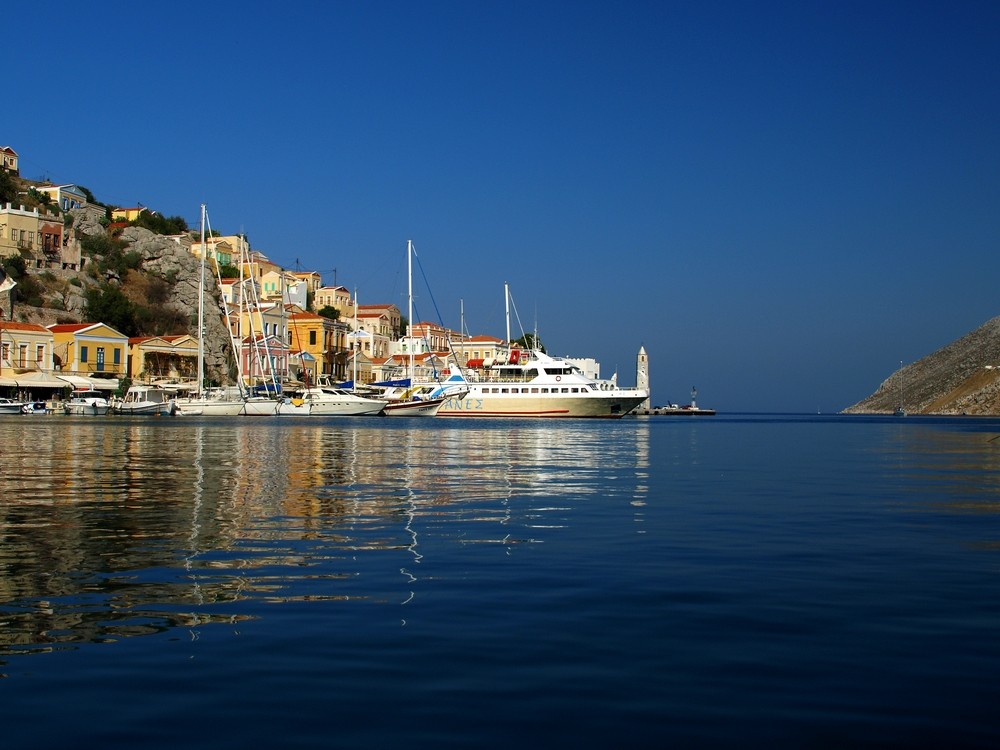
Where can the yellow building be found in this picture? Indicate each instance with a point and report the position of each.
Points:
(89, 349)
(337, 297)
(474, 350)
(127, 214)
(324, 340)
(24, 347)
(218, 251)
(154, 358)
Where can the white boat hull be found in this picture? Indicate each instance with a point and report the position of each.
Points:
(265, 407)
(428, 408)
(208, 408)
(596, 404)
(90, 410)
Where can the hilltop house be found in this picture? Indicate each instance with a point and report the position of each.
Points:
(66, 197)
(8, 159)
(127, 214)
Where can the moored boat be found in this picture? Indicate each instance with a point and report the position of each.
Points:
(327, 401)
(144, 400)
(10, 406)
(86, 401)
(531, 383)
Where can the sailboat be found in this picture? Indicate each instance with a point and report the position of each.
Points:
(899, 411)
(215, 402)
(415, 399)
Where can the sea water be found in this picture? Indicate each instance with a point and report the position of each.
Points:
(747, 580)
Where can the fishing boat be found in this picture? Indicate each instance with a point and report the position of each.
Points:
(86, 401)
(145, 400)
(527, 382)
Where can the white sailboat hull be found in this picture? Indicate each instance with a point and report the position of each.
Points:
(428, 408)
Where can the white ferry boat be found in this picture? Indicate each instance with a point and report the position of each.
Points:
(531, 383)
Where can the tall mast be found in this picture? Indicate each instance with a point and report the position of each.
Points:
(409, 313)
(201, 309)
(506, 303)
(356, 343)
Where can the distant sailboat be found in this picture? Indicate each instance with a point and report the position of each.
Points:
(899, 411)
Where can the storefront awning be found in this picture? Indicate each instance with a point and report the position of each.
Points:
(76, 381)
(39, 380)
(104, 384)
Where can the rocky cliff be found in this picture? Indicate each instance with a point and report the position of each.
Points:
(961, 378)
(161, 257)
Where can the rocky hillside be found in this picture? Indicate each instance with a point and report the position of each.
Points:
(961, 378)
(161, 259)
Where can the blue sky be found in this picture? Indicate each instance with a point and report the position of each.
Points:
(780, 201)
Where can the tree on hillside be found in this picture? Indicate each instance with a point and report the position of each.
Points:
(528, 341)
(8, 187)
(154, 222)
(110, 306)
(328, 312)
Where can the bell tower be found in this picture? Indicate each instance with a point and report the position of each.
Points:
(642, 376)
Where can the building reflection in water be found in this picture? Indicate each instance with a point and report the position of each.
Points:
(118, 527)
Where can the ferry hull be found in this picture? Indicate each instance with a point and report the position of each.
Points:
(607, 405)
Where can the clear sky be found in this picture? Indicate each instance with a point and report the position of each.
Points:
(780, 201)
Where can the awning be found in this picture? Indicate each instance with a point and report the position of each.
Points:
(76, 381)
(474, 363)
(39, 380)
(8, 382)
(81, 382)
(103, 384)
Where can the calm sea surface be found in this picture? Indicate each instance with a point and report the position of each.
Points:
(755, 580)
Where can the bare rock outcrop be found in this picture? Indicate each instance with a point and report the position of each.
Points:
(961, 378)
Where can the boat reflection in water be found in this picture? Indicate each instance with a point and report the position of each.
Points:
(126, 527)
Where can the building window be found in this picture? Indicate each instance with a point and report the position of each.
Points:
(39, 354)
(118, 356)
(312, 338)
(83, 354)
(22, 355)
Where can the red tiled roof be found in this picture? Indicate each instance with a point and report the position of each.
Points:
(12, 326)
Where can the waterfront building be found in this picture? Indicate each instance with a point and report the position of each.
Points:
(152, 358)
(89, 349)
(24, 348)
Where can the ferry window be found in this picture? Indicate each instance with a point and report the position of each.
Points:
(565, 390)
(534, 390)
(504, 390)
